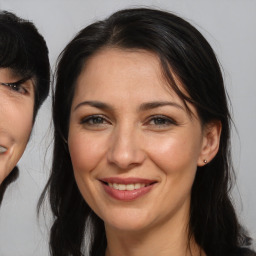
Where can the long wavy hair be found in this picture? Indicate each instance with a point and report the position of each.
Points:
(181, 47)
(24, 51)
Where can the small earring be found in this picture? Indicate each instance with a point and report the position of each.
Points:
(205, 161)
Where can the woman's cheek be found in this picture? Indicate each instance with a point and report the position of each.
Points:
(85, 152)
(21, 120)
(27, 121)
(173, 153)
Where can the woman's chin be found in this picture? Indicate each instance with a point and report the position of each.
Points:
(128, 222)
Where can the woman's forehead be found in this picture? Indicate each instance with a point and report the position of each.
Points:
(117, 68)
(121, 73)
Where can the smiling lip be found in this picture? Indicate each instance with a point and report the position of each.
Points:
(127, 189)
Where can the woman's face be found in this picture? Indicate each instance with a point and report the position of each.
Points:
(134, 147)
(16, 117)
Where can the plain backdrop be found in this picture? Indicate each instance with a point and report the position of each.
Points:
(229, 26)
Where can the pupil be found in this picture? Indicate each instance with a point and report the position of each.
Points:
(160, 121)
(97, 120)
(15, 87)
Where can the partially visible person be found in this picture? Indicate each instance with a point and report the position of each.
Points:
(141, 162)
(24, 85)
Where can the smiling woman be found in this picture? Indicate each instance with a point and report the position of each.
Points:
(143, 146)
(24, 85)
(141, 160)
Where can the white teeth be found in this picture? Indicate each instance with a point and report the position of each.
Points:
(126, 187)
(115, 186)
(130, 187)
(122, 187)
(2, 149)
(137, 185)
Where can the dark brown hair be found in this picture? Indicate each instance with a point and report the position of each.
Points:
(179, 45)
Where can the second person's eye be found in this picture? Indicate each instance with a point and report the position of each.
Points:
(17, 86)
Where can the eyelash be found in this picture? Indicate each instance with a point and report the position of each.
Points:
(99, 120)
(164, 121)
(17, 86)
(93, 118)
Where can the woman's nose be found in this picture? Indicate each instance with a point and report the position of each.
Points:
(126, 149)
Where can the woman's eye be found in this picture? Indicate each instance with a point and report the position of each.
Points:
(18, 88)
(161, 121)
(15, 87)
(94, 121)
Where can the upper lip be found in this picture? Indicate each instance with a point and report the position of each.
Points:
(130, 180)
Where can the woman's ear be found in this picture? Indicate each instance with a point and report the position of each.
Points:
(211, 142)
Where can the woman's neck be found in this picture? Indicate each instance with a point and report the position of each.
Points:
(170, 238)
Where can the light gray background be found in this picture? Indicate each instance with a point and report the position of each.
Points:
(229, 25)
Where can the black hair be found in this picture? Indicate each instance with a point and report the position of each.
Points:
(182, 48)
(24, 51)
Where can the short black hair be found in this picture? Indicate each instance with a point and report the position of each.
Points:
(24, 51)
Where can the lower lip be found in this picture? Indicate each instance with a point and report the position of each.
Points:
(127, 195)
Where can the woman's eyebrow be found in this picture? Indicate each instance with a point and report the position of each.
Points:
(142, 107)
(96, 104)
(157, 104)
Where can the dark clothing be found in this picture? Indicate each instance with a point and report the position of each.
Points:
(245, 252)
